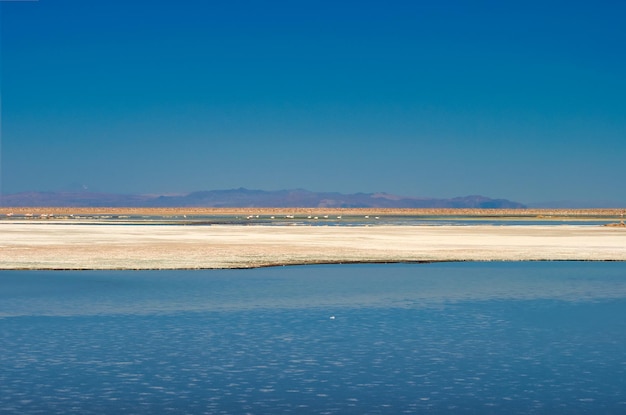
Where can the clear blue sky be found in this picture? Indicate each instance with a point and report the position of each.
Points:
(523, 100)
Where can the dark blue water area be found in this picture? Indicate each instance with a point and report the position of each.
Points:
(469, 338)
(349, 221)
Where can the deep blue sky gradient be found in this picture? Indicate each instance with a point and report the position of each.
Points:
(519, 100)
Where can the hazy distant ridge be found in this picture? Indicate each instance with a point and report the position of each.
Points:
(251, 198)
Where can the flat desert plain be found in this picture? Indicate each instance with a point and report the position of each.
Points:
(85, 244)
(211, 211)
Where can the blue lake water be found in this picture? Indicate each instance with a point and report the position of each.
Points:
(326, 220)
(469, 338)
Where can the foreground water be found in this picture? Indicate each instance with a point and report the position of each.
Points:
(481, 338)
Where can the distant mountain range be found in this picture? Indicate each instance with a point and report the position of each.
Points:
(250, 198)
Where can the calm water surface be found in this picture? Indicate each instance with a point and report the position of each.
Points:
(326, 220)
(482, 338)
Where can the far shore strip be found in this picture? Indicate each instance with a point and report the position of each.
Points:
(213, 211)
(50, 246)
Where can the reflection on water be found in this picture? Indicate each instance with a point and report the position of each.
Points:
(438, 338)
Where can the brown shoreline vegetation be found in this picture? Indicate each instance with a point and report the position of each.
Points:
(213, 211)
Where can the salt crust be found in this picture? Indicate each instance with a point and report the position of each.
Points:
(41, 245)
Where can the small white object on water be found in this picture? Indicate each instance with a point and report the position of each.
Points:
(332, 317)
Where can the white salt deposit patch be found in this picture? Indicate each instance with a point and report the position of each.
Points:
(114, 246)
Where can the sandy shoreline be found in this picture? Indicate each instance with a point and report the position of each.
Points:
(59, 245)
(209, 211)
